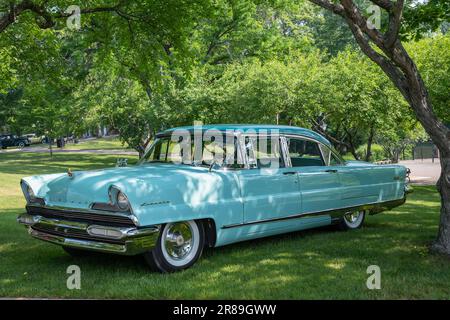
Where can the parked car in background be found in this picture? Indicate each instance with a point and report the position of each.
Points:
(34, 139)
(60, 141)
(44, 139)
(185, 194)
(9, 140)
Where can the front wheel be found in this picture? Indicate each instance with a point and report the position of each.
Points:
(179, 246)
(352, 220)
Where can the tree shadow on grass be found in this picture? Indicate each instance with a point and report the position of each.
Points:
(317, 263)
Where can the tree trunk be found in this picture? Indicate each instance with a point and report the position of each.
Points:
(442, 243)
(401, 69)
(440, 135)
(369, 144)
(351, 145)
(143, 145)
(141, 152)
(50, 140)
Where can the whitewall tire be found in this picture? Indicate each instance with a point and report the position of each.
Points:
(352, 220)
(179, 246)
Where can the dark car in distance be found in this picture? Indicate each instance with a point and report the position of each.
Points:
(10, 140)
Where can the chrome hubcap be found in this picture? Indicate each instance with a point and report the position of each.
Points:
(179, 240)
(353, 219)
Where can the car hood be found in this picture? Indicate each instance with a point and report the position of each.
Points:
(142, 184)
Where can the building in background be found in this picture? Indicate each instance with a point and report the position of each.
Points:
(426, 150)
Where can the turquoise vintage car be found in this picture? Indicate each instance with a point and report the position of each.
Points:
(209, 186)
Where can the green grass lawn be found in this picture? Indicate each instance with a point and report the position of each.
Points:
(101, 143)
(108, 143)
(303, 265)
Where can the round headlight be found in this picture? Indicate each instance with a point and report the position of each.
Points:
(28, 192)
(31, 194)
(122, 201)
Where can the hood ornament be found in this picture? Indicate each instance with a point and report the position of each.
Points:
(70, 173)
(122, 162)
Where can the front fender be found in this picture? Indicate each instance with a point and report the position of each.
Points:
(190, 196)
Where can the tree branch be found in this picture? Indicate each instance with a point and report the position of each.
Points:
(396, 63)
(353, 14)
(317, 128)
(214, 43)
(41, 12)
(388, 67)
(336, 8)
(385, 4)
(395, 17)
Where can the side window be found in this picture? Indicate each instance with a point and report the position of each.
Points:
(329, 157)
(334, 161)
(226, 151)
(232, 158)
(304, 153)
(326, 154)
(174, 152)
(264, 152)
(159, 152)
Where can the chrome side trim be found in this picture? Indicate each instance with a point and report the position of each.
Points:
(373, 208)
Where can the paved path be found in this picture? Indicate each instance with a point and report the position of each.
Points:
(57, 150)
(423, 172)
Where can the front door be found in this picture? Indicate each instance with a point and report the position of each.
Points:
(269, 189)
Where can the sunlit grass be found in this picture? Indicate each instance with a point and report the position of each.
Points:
(101, 143)
(303, 265)
(106, 143)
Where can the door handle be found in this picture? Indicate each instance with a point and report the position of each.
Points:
(331, 170)
(289, 172)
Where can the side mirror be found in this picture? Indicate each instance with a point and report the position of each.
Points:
(122, 162)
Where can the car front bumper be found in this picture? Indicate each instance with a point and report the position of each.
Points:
(408, 189)
(90, 236)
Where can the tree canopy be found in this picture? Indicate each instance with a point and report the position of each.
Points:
(139, 67)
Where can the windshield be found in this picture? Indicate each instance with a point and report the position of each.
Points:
(185, 150)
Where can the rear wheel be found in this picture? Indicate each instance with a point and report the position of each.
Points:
(21, 145)
(352, 220)
(179, 246)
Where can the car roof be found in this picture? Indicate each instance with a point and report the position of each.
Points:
(252, 127)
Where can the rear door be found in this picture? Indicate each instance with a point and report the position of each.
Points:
(319, 183)
(364, 183)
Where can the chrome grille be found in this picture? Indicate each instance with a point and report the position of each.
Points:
(102, 219)
(73, 233)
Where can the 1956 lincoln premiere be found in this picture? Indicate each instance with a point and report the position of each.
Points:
(209, 186)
